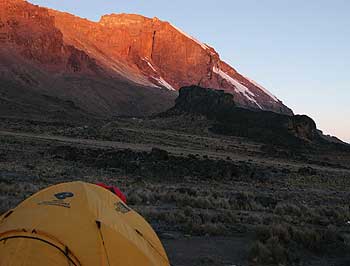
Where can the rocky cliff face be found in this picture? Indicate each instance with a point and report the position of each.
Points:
(30, 31)
(229, 119)
(38, 64)
(199, 100)
(122, 65)
(163, 55)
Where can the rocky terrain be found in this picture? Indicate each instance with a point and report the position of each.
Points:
(57, 65)
(226, 176)
(214, 198)
(297, 131)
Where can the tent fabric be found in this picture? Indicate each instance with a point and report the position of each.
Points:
(114, 190)
(77, 224)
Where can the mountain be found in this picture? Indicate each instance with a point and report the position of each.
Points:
(58, 65)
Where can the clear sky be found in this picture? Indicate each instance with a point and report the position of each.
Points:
(299, 50)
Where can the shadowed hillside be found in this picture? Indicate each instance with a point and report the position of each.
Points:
(229, 119)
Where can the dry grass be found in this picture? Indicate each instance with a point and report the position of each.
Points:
(289, 212)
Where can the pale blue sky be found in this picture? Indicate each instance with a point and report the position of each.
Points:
(299, 50)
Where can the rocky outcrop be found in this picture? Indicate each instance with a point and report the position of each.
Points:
(303, 127)
(198, 100)
(230, 119)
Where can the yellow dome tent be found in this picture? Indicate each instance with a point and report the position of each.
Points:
(77, 224)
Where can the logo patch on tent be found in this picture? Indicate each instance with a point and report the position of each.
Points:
(64, 195)
(121, 207)
(59, 201)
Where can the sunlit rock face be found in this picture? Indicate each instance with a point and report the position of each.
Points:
(120, 51)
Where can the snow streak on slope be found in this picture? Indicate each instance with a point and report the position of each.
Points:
(263, 89)
(165, 84)
(190, 37)
(149, 64)
(238, 86)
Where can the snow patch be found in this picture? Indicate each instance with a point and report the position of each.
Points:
(164, 83)
(149, 64)
(191, 37)
(263, 89)
(239, 88)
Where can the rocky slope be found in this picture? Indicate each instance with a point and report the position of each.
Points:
(40, 73)
(265, 126)
(122, 65)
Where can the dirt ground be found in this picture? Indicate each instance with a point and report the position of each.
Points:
(213, 200)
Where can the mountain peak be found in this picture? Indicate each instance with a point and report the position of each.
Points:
(122, 19)
(9, 1)
(141, 51)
